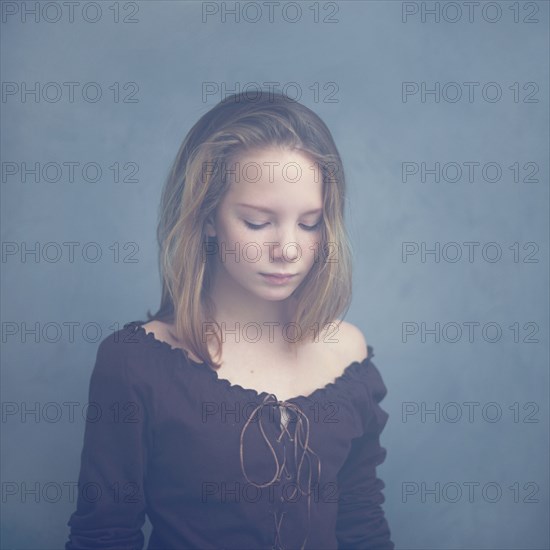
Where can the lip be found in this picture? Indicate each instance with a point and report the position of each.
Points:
(277, 279)
(280, 275)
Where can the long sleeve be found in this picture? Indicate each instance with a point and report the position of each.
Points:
(110, 508)
(361, 523)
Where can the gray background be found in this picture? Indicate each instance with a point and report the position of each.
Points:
(363, 55)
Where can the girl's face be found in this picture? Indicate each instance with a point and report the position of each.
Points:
(269, 221)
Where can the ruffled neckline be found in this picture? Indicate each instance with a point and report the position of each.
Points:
(348, 375)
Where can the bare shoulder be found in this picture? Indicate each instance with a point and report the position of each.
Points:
(345, 342)
(158, 328)
(352, 342)
(161, 331)
(165, 332)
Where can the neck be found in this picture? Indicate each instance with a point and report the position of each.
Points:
(235, 307)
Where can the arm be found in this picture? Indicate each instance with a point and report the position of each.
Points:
(111, 505)
(361, 524)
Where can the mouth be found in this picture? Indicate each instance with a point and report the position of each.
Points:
(280, 275)
(278, 278)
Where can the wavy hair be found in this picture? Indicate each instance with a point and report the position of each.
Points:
(191, 195)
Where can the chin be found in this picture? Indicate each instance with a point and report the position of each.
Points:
(276, 295)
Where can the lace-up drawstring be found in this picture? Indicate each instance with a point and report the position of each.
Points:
(301, 438)
(277, 543)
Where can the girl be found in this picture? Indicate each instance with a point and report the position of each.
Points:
(243, 414)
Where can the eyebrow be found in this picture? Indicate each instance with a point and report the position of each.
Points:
(268, 211)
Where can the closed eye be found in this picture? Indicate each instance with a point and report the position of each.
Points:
(304, 227)
(253, 226)
(311, 227)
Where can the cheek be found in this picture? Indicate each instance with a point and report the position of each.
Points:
(240, 242)
(245, 238)
(310, 246)
(232, 233)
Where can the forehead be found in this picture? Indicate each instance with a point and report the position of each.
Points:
(274, 175)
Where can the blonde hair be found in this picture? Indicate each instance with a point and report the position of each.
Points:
(190, 196)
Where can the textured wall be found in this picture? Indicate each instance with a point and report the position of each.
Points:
(398, 85)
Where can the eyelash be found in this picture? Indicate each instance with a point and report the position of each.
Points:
(261, 226)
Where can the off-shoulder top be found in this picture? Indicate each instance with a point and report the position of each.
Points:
(218, 466)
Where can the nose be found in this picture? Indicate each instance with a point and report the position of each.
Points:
(287, 247)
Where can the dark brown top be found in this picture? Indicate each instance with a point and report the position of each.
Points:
(211, 464)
